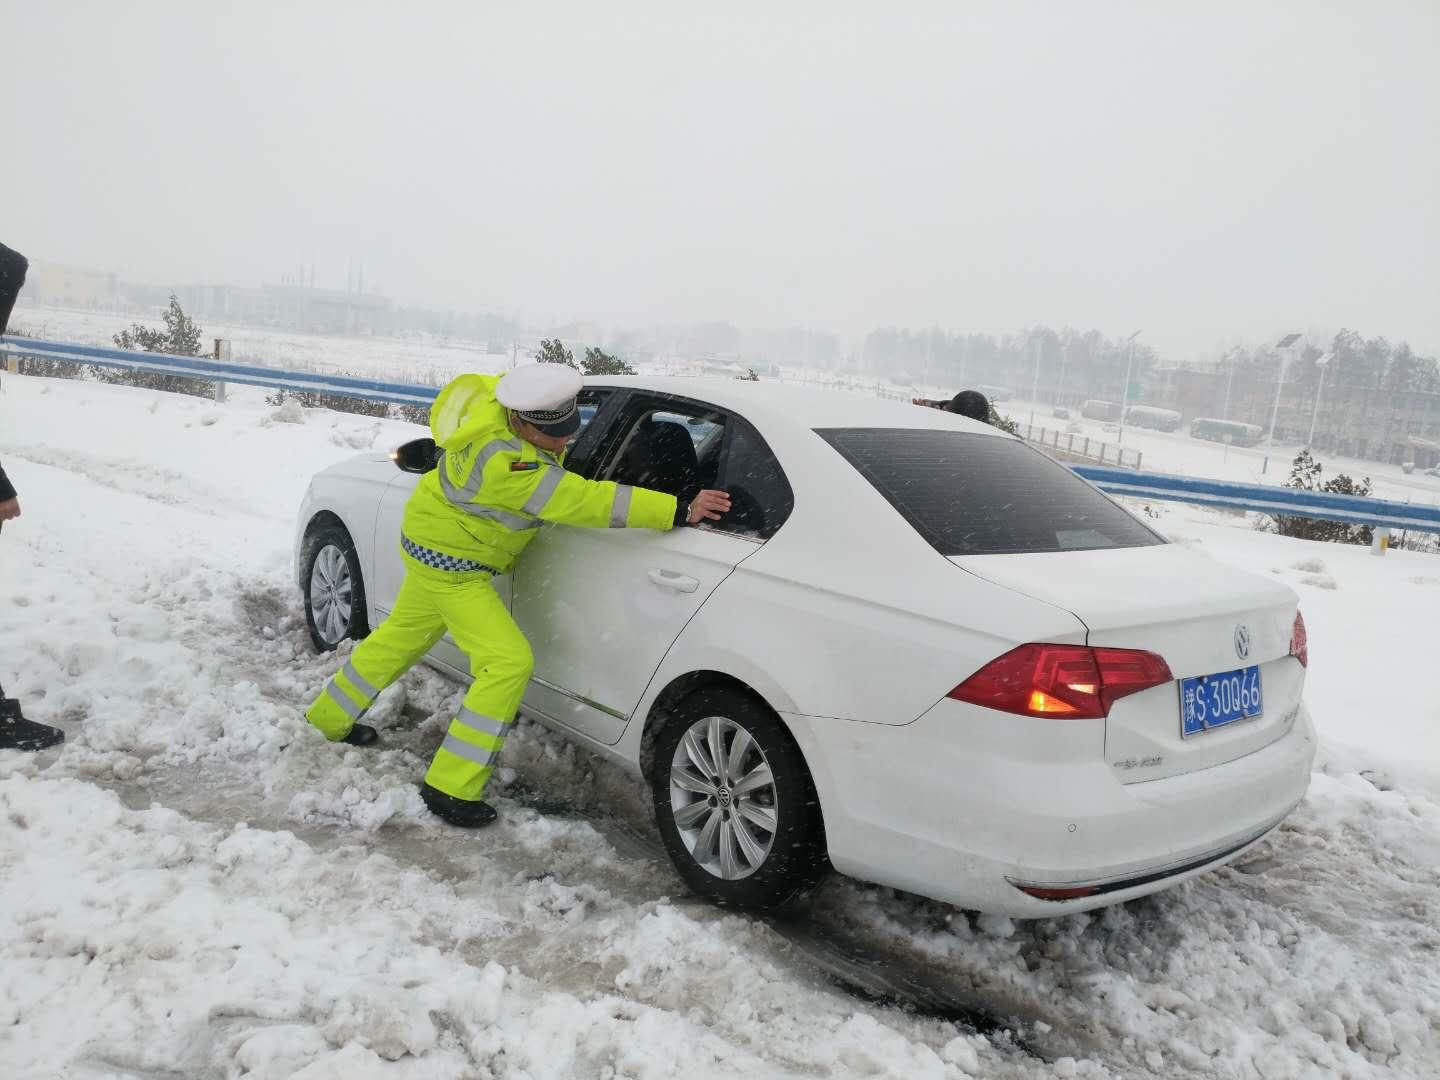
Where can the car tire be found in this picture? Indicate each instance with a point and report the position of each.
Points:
(754, 839)
(333, 588)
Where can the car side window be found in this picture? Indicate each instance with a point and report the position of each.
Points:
(594, 402)
(667, 446)
(760, 495)
(680, 447)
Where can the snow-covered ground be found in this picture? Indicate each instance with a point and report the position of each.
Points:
(197, 885)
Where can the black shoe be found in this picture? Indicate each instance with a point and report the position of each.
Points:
(17, 733)
(360, 735)
(462, 813)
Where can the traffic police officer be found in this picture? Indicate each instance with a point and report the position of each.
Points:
(498, 478)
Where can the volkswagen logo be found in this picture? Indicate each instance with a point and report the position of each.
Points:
(1242, 641)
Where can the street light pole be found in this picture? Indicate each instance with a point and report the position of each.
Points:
(925, 378)
(1282, 348)
(1035, 384)
(1322, 364)
(1060, 387)
(1125, 391)
(1229, 381)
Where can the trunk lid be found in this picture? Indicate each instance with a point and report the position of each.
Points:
(1179, 603)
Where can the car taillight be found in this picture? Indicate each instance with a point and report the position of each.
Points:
(1062, 681)
(1300, 641)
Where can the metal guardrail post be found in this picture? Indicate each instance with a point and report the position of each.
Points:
(222, 353)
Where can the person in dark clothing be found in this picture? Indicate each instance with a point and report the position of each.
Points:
(968, 403)
(971, 403)
(16, 733)
(12, 275)
(9, 500)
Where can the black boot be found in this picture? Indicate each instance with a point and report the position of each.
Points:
(462, 813)
(17, 733)
(360, 735)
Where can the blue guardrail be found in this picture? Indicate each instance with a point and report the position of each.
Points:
(1263, 498)
(221, 371)
(1259, 498)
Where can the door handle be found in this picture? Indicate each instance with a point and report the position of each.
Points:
(668, 579)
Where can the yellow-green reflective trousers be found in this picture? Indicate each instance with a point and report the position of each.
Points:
(431, 602)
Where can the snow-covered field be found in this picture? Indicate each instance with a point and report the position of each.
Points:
(1176, 452)
(426, 360)
(434, 361)
(197, 885)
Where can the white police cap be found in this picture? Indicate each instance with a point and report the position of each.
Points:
(544, 395)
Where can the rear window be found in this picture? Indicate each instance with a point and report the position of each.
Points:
(972, 494)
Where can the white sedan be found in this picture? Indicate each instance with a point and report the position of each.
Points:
(917, 650)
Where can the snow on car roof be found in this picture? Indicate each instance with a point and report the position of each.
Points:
(803, 406)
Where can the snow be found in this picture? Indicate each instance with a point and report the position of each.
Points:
(418, 359)
(195, 884)
(1177, 453)
(428, 360)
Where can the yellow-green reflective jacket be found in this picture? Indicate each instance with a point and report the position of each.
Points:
(491, 490)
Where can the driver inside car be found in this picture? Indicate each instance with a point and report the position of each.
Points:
(499, 476)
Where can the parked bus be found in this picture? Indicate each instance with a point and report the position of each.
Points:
(1148, 416)
(1100, 410)
(1207, 427)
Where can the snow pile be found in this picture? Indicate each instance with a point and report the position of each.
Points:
(272, 905)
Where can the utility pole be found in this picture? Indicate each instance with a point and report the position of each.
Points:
(1125, 390)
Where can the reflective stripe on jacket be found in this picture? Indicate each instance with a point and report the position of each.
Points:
(491, 490)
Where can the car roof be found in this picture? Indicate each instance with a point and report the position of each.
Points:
(789, 404)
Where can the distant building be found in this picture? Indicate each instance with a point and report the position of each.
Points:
(72, 287)
(291, 307)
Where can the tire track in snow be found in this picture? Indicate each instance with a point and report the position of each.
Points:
(1286, 962)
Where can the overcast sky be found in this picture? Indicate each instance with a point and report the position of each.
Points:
(1234, 171)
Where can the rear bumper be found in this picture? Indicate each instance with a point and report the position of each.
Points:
(966, 804)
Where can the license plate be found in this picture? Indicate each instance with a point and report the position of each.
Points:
(1212, 701)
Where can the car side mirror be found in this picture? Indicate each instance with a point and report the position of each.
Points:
(417, 455)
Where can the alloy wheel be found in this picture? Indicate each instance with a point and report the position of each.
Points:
(724, 798)
(331, 594)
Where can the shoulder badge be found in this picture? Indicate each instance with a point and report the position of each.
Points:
(524, 466)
